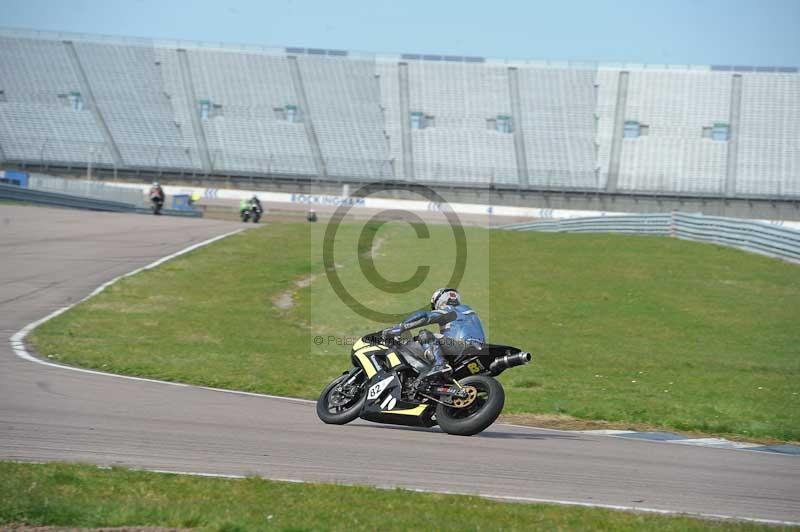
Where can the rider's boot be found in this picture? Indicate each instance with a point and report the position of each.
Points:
(440, 369)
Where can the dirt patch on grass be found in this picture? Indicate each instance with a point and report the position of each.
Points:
(376, 247)
(285, 300)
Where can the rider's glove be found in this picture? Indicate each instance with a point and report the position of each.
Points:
(392, 332)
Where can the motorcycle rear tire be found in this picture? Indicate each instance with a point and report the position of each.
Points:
(452, 420)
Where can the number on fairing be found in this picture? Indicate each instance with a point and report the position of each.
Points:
(474, 367)
(376, 390)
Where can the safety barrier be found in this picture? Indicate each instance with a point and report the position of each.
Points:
(15, 193)
(26, 195)
(755, 236)
(88, 189)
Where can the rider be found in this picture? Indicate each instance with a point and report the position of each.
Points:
(247, 204)
(156, 191)
(460, 330)
(255, 203)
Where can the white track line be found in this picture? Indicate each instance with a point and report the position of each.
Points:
(505, 498)
(18, 345)
(18, 339)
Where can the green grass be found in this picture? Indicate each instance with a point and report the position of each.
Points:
(85, 496)
(628, 329)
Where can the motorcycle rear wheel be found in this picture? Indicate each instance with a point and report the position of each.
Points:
(340, 414)
(479, 415)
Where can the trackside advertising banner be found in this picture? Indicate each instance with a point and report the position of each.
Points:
(313, 200)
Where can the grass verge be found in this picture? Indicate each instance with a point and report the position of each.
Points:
(638, 331)
(85, 496)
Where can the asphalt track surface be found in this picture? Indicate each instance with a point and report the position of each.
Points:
(51, 258)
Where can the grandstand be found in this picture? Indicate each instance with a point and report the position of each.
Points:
(199, 109)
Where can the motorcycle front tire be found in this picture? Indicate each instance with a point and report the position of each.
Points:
(345, 416)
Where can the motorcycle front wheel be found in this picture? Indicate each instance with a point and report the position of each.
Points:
(341, 403)
(478, 415)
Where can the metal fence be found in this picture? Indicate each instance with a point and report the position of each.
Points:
(44, 153)
(758, 237)
(110, 199)
(87, 189)
(27, 195)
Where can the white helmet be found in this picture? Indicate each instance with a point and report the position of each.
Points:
(445, 296)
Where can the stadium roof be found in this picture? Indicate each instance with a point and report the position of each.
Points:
(255, 48)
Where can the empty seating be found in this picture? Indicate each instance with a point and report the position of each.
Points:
(128, 89)
(769, 143)
(344, 103)
(459, 146)
(38, 121)
(245, 134)
(248, 111)
(557, 119)
(673, 155)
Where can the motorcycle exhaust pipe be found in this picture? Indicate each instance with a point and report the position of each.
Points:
(501, 364)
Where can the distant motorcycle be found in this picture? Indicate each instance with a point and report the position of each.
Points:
(157, 204)
(384, 387)
(250, 212)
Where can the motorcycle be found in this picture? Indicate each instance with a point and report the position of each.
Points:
(250, 213)
(158, 203)
(384, 386)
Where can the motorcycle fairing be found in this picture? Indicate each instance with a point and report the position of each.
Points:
(363, 356)
(385, 405)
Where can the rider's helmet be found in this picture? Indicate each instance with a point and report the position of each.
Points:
(155, 184)
(445, 296)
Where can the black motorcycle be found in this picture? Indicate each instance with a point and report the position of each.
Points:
(157, 204)
(384, 386)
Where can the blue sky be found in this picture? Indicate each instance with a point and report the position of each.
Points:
(741, 32)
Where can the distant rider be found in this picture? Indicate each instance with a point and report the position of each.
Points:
(252, 203)
(460, 330)
(156, 191)
(157, 197)
(256, 204)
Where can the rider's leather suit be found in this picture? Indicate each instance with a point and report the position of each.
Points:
(460, 330)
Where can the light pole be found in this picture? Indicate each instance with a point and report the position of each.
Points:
(491, 195)
(89, 164)
(41, 151)
(158, 160)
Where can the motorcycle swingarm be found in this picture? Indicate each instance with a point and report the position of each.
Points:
(443, 393)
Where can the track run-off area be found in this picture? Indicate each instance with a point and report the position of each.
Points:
(53, 258)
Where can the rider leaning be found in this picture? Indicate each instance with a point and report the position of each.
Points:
(460, 330)
(247, 204)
